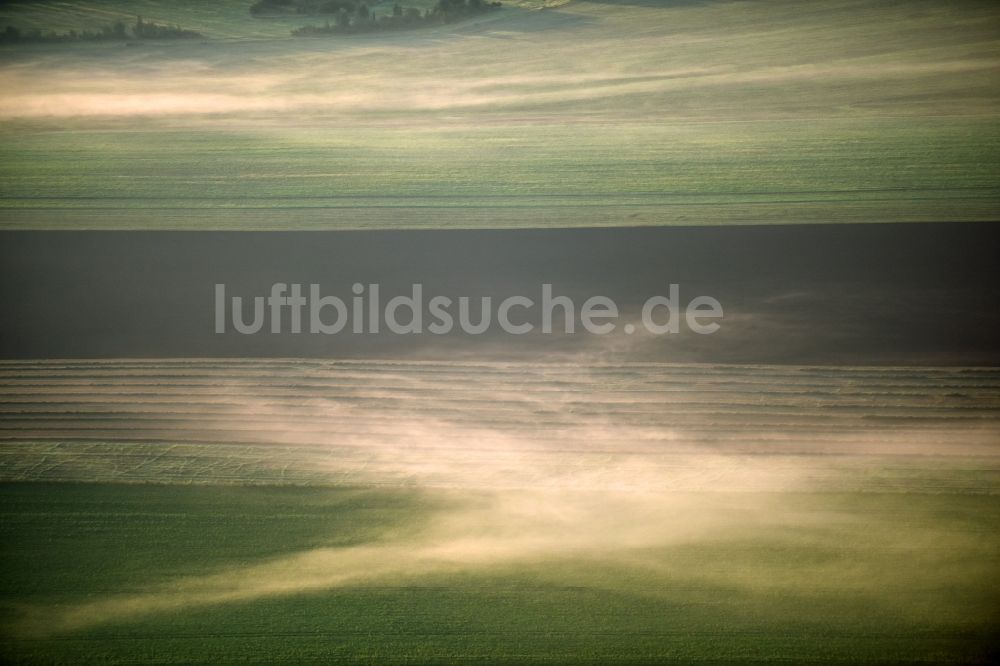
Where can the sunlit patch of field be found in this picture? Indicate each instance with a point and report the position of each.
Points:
(492, 424)
(586, 114)
(504, 511)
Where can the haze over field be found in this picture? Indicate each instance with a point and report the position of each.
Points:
(584, 114)
(748, 489)
(486, 425)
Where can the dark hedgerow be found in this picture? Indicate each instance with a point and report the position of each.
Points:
(116, 31)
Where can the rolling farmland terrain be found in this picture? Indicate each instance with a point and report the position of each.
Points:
(581, 114)
(818, 483)
(170, 510)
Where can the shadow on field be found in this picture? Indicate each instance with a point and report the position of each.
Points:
(872, 294)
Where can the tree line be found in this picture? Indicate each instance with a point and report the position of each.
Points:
(114, 32)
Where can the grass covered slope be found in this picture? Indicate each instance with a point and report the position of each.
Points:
(461, 512)
(579, 115)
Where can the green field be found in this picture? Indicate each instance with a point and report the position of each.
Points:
(396, 512)
(127, 574)
(584, 114)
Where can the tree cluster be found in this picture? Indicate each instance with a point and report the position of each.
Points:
(304, 7)
(149, 30)
(359, 19)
